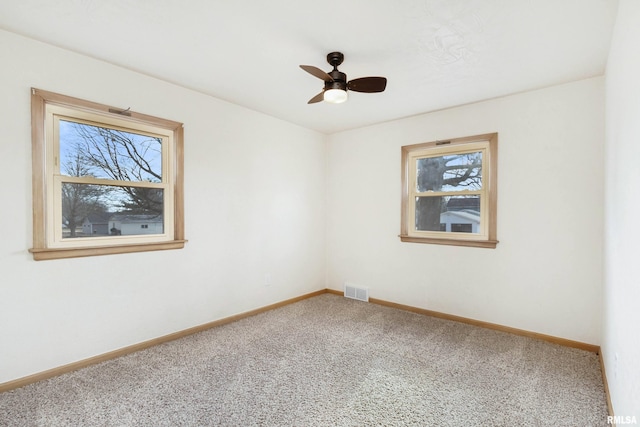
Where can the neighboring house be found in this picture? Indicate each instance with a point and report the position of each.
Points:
(122, 224)
(96, 224)
(462, 215)
(466, 221)
(128, 224)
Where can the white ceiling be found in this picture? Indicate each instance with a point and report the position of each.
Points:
(435, 53)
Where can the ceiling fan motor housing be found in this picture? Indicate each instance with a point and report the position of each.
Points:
(339, 81)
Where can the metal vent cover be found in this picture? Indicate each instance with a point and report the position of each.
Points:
(356, 292)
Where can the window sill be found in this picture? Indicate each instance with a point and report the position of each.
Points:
(41, 254)
(491, 244)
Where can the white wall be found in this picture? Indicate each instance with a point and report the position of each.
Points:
(546, 273)
(621, 330)
(254, 205)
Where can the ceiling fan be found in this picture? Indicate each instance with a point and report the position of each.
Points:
(336, 84)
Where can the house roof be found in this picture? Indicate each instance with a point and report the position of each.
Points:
(135, 218)
(464, 203)
(105, 218)
(436, 54)
(96, 218)
(467, 215)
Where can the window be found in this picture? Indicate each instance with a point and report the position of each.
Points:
(450, 192)
(105, 181)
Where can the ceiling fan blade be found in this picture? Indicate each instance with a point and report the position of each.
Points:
(315, 71)
(368, 84)
(318, 98)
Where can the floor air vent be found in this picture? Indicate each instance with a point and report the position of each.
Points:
(356, 292)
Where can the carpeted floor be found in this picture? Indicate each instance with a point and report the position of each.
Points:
(327, 361)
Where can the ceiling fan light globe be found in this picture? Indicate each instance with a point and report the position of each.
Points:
(335, 96)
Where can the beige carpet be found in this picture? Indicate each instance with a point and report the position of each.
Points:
(327, 361)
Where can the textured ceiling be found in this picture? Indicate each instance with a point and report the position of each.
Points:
(435, 53)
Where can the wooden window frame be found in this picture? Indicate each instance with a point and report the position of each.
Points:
(45, 246)
(487, 238)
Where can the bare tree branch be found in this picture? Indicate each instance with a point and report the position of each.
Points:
(123, 156)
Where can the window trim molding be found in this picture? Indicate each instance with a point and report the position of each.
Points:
(40, 250)
(492, 194)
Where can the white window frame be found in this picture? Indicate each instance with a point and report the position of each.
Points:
(486, 237)
(48, 243)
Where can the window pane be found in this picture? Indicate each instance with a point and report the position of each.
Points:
(458, 214)
(100, 152)
(104, 210)
(452, 172)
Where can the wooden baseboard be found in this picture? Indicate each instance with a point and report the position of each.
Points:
(21, 382)
(606, 386)
(556, 340)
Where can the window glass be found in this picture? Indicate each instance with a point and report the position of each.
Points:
(457, 172)
(100, 152)
(90, 210)
(440, 213)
